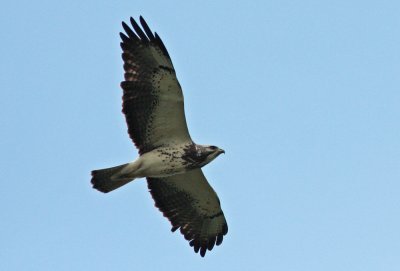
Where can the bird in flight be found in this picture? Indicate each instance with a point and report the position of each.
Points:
(168, 158)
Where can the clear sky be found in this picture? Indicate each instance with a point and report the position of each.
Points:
(304, 96)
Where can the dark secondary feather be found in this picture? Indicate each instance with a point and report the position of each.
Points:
(149, 76)
(192, 206)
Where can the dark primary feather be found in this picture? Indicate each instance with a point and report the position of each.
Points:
(139, 31)
(161, 44)
(192, 206)
(130, 33)
(146, 28)
(150, 85)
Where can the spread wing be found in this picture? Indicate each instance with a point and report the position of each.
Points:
(191, 205)
(152, 97)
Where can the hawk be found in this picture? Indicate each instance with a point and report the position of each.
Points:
(154, 110)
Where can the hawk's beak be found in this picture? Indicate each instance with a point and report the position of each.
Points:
(221, 151)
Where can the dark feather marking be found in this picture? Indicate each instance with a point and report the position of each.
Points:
(211, 242)
(225, 229)
(124, 38)
(125, 46)
(217, 214)
(203, 250)
(146, 28)
(174, 228)
(220, 237)
(139, 31)
(166, 68)
(161, 44)
(129, 31)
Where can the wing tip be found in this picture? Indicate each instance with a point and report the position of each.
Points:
(143, 34)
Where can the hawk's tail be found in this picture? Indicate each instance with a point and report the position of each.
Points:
(109, 179)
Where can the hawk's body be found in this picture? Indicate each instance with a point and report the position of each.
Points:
(169, 159)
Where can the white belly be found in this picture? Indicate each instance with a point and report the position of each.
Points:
(157, 163)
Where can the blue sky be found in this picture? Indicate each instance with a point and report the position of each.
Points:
(303, 96)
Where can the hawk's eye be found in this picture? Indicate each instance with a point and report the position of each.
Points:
(213, 147)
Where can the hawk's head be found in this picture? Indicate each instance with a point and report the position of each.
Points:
(201, 155)
(207, 153)
(212, 152)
